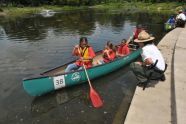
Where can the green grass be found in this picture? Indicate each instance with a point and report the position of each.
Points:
(15, 11)
(166, 7)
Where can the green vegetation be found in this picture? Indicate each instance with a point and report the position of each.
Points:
(22, 3)
(142, 6)
(16, 11)
(146, 5)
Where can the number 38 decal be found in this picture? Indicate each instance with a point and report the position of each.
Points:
(59, 81)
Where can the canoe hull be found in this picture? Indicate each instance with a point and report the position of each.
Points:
(169, 26)
(42, 85)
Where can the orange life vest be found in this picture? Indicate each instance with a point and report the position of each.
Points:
(108, 55)
(86, 53)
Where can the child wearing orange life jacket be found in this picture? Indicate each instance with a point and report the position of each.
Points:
(109, 53)
(86, 54)
(123, 48)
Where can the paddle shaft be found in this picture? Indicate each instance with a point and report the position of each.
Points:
(129, 40)
(85, 71)
(87, 76)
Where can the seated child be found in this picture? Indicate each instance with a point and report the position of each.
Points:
(109, 53)
(123, 48)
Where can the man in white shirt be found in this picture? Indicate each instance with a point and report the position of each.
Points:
(152, 64)
(180, 19)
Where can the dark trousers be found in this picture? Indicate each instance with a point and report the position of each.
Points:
(180, 23)
(142, 73)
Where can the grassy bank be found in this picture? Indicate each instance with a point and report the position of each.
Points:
(15, 11)
(169, 7)
(166, 7)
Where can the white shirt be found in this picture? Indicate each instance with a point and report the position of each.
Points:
(151, 51)
(181, 16)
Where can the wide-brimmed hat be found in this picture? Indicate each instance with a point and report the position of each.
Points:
(180, 11)
(144, 37)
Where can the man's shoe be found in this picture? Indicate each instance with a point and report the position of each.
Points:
(140, 84)
(163, 78)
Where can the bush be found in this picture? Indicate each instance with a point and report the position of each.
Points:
(1, 10)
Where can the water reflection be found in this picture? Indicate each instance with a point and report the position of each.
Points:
(81, 23)
(45, 103)
(2, 33)
(72, 105)
(47, 13)
(33, 44)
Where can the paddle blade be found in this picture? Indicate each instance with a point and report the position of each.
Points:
(95, 98)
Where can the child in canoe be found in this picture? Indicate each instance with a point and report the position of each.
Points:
(85, 53)
(123, 48)
(109, 53)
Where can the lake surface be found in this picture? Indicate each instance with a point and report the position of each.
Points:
(34, 43)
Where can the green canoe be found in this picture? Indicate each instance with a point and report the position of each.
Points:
(169, 26)
(56, 78)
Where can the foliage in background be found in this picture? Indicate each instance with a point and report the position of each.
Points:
(21, 7)
(22, 3)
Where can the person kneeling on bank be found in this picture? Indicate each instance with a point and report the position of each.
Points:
(151, 57)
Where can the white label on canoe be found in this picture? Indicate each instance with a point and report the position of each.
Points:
(76, 76)
(59, 81)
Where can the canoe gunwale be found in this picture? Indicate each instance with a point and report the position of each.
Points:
(96, 66)
(41, 75)
(64, 65)
(45, 76)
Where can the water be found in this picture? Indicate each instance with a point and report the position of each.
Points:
(33, 44)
